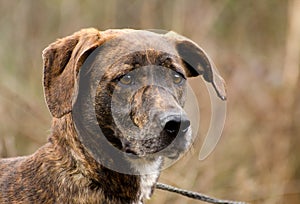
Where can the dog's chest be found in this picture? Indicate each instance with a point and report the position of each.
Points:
(148, 181)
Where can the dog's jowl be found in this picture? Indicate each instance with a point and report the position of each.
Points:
(116, 98)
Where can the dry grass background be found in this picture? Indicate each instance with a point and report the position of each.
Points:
(256, 46)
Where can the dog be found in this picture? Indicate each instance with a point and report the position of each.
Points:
(116, 98)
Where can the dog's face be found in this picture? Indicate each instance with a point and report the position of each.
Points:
(146, 94)
(129, 85)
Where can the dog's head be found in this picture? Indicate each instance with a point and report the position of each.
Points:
(129, 85)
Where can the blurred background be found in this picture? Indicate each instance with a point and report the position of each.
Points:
(256, 47)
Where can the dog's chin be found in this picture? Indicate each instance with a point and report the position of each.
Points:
(172, 153)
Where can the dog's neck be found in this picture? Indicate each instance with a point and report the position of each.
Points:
(148, 181)
(108, 184)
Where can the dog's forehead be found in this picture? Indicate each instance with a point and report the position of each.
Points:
(142, 39)
(128, 48)
(134, 41)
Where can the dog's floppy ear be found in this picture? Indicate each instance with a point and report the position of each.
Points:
(198, 62)
(62, 61)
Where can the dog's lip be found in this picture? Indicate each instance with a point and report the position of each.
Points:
(133, 154)
(173, 151)
(173, 155)
(130, 151)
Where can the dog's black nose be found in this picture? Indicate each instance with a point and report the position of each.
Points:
(176, 125)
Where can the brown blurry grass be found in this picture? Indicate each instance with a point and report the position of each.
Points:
(255, 45)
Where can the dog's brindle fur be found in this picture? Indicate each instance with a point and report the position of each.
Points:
(64, 170)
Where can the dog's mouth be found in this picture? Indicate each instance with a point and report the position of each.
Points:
(171, 153)
(132, 153)
(170, 144)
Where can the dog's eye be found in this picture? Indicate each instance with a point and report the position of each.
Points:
(177, 78)
(127, 79)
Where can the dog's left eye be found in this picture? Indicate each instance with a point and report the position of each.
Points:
(177, 78)
(127, 79)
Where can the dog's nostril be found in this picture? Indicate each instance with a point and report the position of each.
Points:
(172, 127)
(175, 126)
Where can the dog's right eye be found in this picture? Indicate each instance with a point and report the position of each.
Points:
(127, 79)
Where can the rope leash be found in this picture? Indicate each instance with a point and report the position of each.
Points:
(194, 195)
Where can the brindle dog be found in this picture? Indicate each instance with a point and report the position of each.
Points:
(117, 99)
